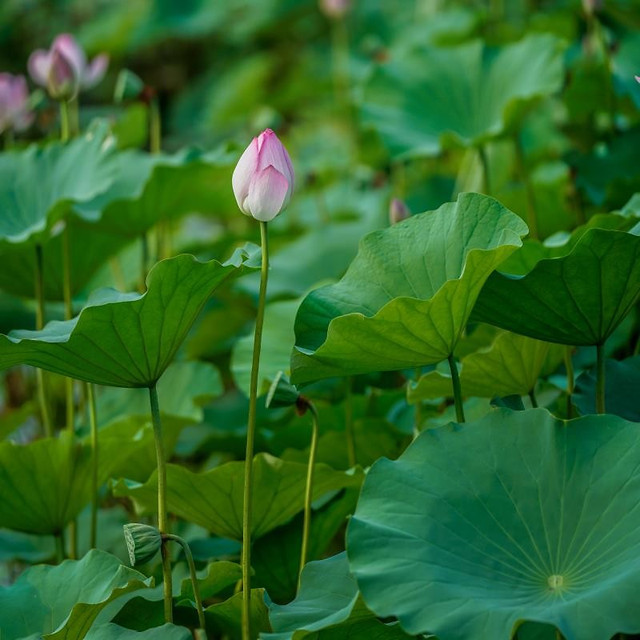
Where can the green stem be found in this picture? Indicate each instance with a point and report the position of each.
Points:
(192, 572)
(349, 431)
(340, 55)
(74, 117)
(568, 364)
(162, 501)
(306, 525)
(600, 379)
(144, 261)
(418, 411)
(39, 292)
(155, 127)
(64, 120)
(457, 389)
(484, 160)
(532, 218)
(93, 421)
(68, 314)
(251, 429)
(534, 400)
(59, 538)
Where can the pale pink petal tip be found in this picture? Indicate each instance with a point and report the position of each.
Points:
(267, 194)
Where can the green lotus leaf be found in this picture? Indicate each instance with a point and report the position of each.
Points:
(467, 92)
(37, 185)
(214, 500)
(45, 484)
(406, 298)
(510, 366)
(61, 602)
(515, 517)
(577, 299)
(112, 631)
(216, 577)
(327, 606)
(125, 339)
(224, 618)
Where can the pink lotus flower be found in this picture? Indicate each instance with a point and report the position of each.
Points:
(398, 211)
(15, 110)
(263, 178)
(64, 69)
(335, 8)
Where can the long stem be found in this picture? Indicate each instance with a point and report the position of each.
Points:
(64, 120)
(68, 314)
(568, 364)
(155, 127)
(93, 421)
(59, 538)
(484, 160)
(162, 501)
(534, 400)
(349, 431)
(251, 428)
(144, 260)
(306, 526)
(417, 423)
(192, 572)
(74, 117)
(39, 291)
(457, 389)
(600, 380)
(340, 55)
(532, 217)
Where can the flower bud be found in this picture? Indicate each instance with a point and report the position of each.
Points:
(398, 211)
(62, 79)
(263, 178)
(143, 542)
(15, 107)
(335, 8)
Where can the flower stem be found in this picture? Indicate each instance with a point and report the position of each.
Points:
(93, 421)
(484, 160)
(192, 572)
(144, 260)
(457, 389)
(532, 218)
(39, 292)
(306, 526)
(68, 314)
(348, 423)
(600, 379)
(74, 117)
(251, 428)
(534, 400)
(59, 538)
(64, 120)
(162, 501)
(568, 365)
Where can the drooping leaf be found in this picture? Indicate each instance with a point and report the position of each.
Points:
(577, 299)
(125, 339)
(214, 499)
(511, 366)
(467, 92)
(407, 296)
(61, 602)
(518, 516)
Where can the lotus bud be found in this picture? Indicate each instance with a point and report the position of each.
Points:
(335, 9)
(62, 79)
(263, 178)
(143, 542)
(398, 211)
(15, 105)
(637, 78)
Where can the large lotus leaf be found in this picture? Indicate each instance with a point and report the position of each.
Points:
(125, 339)
(150, 188)
(327, 606)
(61, 602)
(224, 618)
(518, 516)
(467, 92)
(578, 299)
(38, 184)
(214, 499)
(406, 298)
(112, 631)
(510, 366)
(622, 381)
(44, 484)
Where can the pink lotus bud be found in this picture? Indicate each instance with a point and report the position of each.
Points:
(15, 110)
(62, 79)
(637, 78)
(398, 211)
(87, 74)
(263, 178)
(335, 8)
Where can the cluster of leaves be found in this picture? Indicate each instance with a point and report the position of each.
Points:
(513, 305)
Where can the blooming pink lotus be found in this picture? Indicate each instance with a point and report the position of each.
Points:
(263, 178)
(64, 69)
(15, 110)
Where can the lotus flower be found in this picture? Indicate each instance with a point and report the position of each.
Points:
(64, 69)
(335, 8)
(398, 211)
(15, 110)
(263, 178)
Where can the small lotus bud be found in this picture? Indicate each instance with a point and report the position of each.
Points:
(335, 8)
(398, 211)
(129, 87)
(62, 79)
(263, 178)
(281, 393)
(16, 111)
(143, 542)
